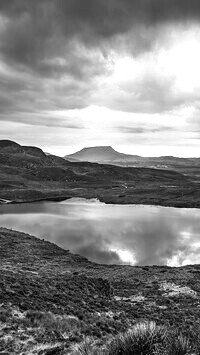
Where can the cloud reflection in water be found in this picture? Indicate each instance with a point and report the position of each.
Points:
(141, 235)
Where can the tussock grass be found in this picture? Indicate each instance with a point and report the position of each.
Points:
(178, 344)
(88, 348)
(32, 332)
(145, 339)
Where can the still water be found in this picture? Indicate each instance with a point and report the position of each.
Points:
(120, 234)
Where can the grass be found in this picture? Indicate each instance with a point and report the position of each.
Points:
(31, 331)
(179, 345)
(145, 338)
(35, 332)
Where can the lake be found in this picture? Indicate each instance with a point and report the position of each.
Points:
(112, 234)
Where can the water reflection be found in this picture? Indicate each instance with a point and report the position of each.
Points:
(140, 235)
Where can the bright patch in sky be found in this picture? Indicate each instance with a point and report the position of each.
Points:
(182, 60)
(126, 69)
(125, 256)
(177, 59)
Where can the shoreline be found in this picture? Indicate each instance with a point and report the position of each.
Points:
(148, 202)
(88, 261)
(44, 286)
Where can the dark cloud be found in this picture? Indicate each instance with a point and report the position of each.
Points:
(56, 53)
(142, 130)
(102, 18)
(28, 98)
(36, 31)
(46, 121)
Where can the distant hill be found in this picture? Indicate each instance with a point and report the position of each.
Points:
(10, 147)
(101, 154)
(32, 163)
(28, 174)
(107, 155)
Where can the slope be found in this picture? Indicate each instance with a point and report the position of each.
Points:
(28, 174)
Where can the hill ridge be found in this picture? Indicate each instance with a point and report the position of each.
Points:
(28, 174)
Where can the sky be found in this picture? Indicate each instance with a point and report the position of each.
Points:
(123, 73)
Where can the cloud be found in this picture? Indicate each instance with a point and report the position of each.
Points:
(43, 35)
(142, 130)
(133, 56)
(46, 119)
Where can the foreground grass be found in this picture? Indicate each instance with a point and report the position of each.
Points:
(40, 333)
(34, 332)
(147, 339)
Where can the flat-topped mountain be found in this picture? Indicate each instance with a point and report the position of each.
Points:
(108, 155)
(101, 154)
(28, 174)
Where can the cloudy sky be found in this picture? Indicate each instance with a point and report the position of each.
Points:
(77, 73)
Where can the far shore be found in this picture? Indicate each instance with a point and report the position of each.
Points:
(107, 197)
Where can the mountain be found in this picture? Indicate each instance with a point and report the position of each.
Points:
(28, 174)
(101, 154)
(107, 155)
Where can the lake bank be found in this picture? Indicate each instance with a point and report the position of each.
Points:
(184, 197)
(41, 282)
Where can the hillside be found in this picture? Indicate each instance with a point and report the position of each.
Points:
(107, 155)
(28, 174)
(51, 299)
